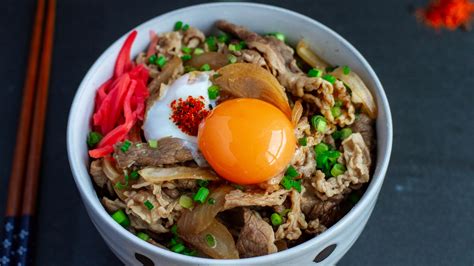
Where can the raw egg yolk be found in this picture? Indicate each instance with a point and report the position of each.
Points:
(247, 141)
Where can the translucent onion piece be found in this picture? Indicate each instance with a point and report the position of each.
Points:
(297, 112)
(195, 221)
(244, 80)
(360, 93)
(224, 242)
(303, 50)
(157, 175)
(214, 59)
(109, 170)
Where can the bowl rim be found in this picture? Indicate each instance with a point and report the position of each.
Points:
(377, 179)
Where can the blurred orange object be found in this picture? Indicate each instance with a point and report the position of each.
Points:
(450, 14)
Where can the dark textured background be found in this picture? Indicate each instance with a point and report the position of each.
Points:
(425, 213)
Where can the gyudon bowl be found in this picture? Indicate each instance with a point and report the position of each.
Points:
(291, 175)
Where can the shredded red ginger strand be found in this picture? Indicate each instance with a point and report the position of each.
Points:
(450, 14)
(120, 101)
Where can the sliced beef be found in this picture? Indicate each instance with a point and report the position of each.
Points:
(169, 151)
(100, 179)
(256, 237)
(327, 212)
(238, 198)
(365, 126)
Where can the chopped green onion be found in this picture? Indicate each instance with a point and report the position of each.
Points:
(232, 58)
(203, 182)
(186, 202)
(178, 248)
(153, 143)
(186, 50)
(284, 212)
(276, 219)
(121, 218)
(322, 161)
(178, 25)
(330, 68)
(134, 175)
(93, 139)
(148, 205)
(143, 236)
(223, 38)
(346, 70)
(211, 43)
(213, 92)
(288, 183)
(189, 69)
(336, 111)
(152, 59)
(337, 135)
(243, 45)
(330, 78)
(189, 252)
(121, 186)
(235, 47)
(280, 36)
(185, 27)
(161, 61)
(125, 146)
(303, 141)
(201, 195)
(319, 123)
(338, 103)
(338, 169)
(291, 172)
(321, 148)
(345, 133)
(186, 57)
(211, 201)
(210, 240)
(174, 229)
(174, 240)
(198, 51)
(333, 156)
(205, 67)
(315, 73)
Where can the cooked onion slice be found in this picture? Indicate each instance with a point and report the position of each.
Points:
(157, 175)
(244, 80)
(215, 241)
(297, 112)
(360, 93)
(303, 50)
(214, 59)
(195, 221)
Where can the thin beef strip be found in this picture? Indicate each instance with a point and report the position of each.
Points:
(256, 237)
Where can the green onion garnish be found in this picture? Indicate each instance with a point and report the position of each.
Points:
(330, 78)
(243, 45)
(213, 92)
(280, 36)
(276, 219)
(186, 202)
(303, 141)
(186, 57)
(203, 182)
(186, 50)
(178, 25)
(232, 58)
(223, 38)
(291, 172)
(134, 175)
(289, 183)
(148, 205)
(211, 43)
(125, 146)
(330, 68)
(121, 218)
(143, 236)
(178, 248)
(121, 186)
(346, 70)
(152, 59)
(185, 27)
(189, 69)
(284, 212)
(321, 148)
(336, 111)
(234, 47)
(174, 229)
(315, 73)
(198, 51)
(205, 67)
(210, 240)
(211, 201)
(93, 139)
(319, 123)
(153, 143)
(338, 169)
(201, 195)
(338, 103)
(345, 132)
(161, 61)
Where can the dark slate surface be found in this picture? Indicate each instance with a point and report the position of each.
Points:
(424, 215)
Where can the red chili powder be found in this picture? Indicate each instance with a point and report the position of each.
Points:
(449, 14)
(187, 114)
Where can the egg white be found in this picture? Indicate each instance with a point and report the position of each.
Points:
(158, 124)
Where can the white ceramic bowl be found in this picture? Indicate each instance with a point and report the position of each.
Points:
(260, 18)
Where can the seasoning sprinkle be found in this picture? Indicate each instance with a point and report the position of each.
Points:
(187, 114)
